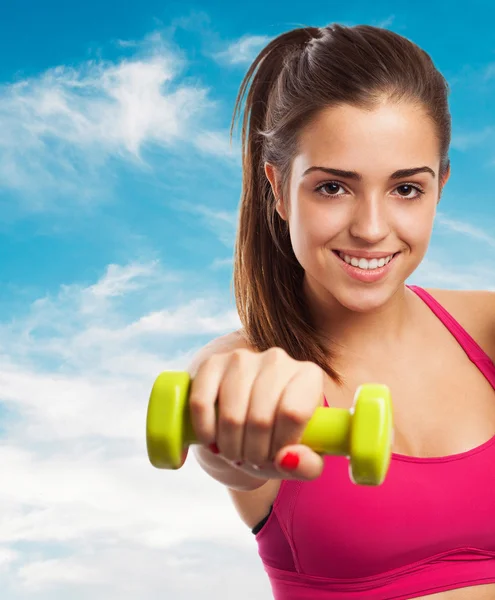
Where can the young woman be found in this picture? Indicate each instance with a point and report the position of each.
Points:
(346, 133)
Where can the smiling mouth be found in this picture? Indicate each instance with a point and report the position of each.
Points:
(365, 264)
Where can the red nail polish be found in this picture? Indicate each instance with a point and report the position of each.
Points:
(290, 461)
(239, 463)
(214, 448)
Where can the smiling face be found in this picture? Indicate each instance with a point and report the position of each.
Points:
(371, 208)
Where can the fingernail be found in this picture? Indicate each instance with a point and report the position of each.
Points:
(290, 461)
(214, 448)
(239, 463)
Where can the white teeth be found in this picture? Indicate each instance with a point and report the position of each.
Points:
(364, 263)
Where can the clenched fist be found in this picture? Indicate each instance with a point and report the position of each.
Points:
(252, 409)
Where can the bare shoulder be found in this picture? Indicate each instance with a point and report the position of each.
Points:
(474, 310)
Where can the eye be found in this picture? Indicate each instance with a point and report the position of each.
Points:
(331, 185)
(409, 187)
(332, 188)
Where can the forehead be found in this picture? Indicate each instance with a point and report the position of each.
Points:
(376, 142)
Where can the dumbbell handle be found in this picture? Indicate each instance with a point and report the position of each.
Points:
(327, 432)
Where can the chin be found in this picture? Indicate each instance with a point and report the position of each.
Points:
(368, 299)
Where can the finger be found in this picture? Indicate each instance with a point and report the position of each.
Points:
(297, 461)
(203, 397)
(272, 378)
(233, 402)
(302, 394)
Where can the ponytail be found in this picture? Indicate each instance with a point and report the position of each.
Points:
(267, 276)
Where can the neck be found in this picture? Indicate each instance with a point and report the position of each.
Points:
(358, 335)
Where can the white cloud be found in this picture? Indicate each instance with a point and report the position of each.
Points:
(460, 256)
(91, 513)
(220, 222)
(187, 320)
(386, 22)
(466, 229)
(119, 280)
(489, 72)
(7, 556)
(61, 128)
(466, 140)
(218, 143)
(434, 272)
(221, 263)
(243, 51)
(127, 572)
(92, 328)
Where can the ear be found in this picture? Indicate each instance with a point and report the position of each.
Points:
(274, 179)
(445, 178)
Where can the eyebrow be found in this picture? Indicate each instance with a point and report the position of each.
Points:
(400, 174)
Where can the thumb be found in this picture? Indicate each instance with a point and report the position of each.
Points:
(297, 461)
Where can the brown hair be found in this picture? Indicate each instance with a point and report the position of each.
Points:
(295, 76)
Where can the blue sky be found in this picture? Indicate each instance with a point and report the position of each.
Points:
(118, 208)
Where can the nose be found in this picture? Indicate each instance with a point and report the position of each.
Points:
(369, 221)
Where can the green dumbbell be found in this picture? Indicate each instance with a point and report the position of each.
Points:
(363, 433)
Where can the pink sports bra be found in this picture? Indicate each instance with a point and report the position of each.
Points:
(429, 527)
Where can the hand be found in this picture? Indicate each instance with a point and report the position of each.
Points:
(253, 408)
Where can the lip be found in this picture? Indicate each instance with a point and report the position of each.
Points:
(368, 275)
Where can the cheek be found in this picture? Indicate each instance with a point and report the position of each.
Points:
(311, 230)
(313, 224)
(415, 226)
